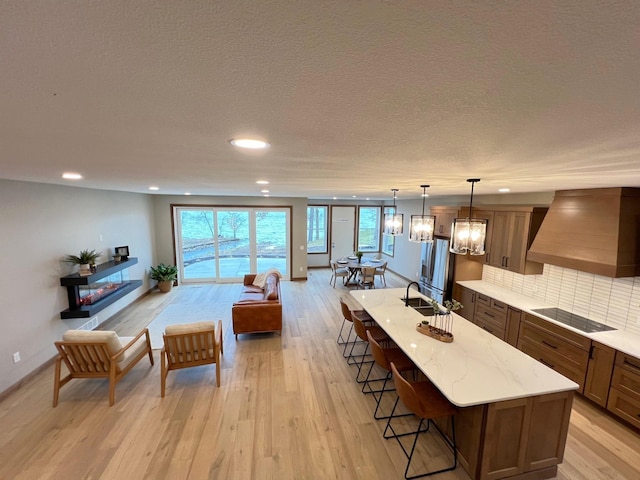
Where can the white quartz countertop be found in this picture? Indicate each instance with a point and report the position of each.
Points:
(476, 368)
(621, 340)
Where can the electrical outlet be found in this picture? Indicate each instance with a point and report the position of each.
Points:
(16, 357)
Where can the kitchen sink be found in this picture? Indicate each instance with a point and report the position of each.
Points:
(420, 305)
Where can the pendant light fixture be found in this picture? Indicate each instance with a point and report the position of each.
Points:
(468, 234)
(421, 226)
(393, 222)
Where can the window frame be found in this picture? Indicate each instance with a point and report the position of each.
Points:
(325, 230)
(388, 240)
(377, 229)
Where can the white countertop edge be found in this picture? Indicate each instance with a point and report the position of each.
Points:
(476, 368)
(621, 340)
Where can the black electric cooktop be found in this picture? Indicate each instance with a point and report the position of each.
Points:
(571, 319)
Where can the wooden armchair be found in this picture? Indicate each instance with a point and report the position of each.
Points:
(190, 345)
(99, 354)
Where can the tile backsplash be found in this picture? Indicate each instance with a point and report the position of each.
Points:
(613, 301)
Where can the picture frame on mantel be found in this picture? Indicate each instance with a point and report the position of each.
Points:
(122, 254)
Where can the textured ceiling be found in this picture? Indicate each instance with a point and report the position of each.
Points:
(356, 97)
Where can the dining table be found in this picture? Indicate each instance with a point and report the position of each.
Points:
(354, 266)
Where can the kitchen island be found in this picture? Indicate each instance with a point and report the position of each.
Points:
(513, 412)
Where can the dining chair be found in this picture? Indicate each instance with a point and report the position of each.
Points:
(336, 272)
(367, 277)
(425, 401)
(190, 345)
(380, 271)
(99, 354)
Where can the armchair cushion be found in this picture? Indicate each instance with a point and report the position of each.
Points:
(114, 343)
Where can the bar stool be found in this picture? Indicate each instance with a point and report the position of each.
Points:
(383, 358)
(426, 402)
(364, 332)
(347, 315)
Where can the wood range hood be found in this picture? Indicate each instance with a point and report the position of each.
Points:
(592, 230)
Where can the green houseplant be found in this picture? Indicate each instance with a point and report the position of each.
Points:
(85, 259)
(165, 275)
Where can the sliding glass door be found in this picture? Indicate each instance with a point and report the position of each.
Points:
(224, 244)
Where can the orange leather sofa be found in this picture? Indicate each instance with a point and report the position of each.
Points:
(258, 309)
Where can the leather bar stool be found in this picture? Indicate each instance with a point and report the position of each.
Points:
(425, 401)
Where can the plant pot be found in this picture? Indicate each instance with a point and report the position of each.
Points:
(165, 286)
(85, 268)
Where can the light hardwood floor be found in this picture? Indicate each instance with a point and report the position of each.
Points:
(287, 408)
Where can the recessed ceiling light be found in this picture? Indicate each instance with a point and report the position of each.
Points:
(264, 191)
(335, 198)
(262, 182)
(266, 195)
(367, 198)
(153, 187)
(424, 195)
(504, 190)
(248, 143)
(187, 193)
(353, 196)
(71, 176)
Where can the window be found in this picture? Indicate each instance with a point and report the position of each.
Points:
(388, 241)
(317, 229)
(369, 229)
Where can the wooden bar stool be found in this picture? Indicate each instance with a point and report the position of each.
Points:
(426, 402)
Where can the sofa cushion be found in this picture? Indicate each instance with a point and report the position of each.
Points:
(252, 289)
(251, 297)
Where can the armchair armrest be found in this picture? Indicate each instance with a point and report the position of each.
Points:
(115, 356)
(249, 278)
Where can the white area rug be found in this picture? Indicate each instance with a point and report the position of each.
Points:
(179, 313)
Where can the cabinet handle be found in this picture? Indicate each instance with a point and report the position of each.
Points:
(506, 262)
(488, 329)
(632, 365)
(489, 314)
(549, 344)
(473, 298)
(550, 365)
(591, 352)
(486, 258)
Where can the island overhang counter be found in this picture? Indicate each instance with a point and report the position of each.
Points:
(513, 412)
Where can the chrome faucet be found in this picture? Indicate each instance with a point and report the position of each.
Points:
(406, 297)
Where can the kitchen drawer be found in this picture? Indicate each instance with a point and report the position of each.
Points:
(556, 346)
(626, 380)
(491, 326)
(624, 406)
(575, 339)
(483, 299)
(554, 361)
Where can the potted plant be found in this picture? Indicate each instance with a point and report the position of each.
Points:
(359, 255)
(165, 275)
(86, 260)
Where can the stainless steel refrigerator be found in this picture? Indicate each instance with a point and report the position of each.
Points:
(436, 278)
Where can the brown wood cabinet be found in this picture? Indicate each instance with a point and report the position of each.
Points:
(514, 317)
(510, 232)
(444, 219)
(599, 371)
(522, 438)
(467, 298)
(624, 395)
(556, 347)
(491, 315)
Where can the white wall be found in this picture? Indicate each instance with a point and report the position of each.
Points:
(164, 233)
(39, 225)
